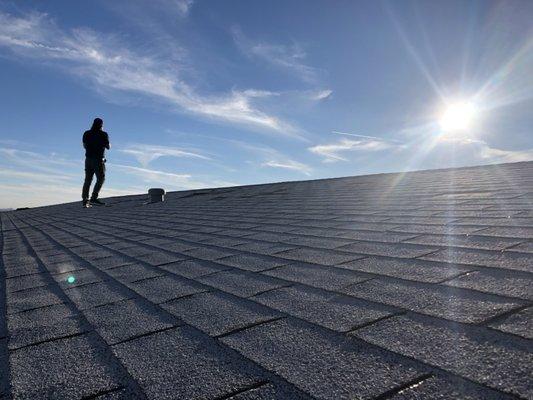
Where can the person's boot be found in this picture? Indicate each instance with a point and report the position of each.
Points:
(86, 204)
(97, 202)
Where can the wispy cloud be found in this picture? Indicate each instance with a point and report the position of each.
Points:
(421, 148)
(109, 65)
(479, 151)
(333, 152)
(287, 57)
(321, 94)
(272, 158)
(50, 163)
(18, 175)
(36, 179)
(169, 180)
(146, 153)
(289, 164)
(183, 6)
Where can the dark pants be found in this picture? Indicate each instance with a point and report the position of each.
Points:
(93, 166)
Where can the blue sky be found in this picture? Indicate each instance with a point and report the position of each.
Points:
(198, 93)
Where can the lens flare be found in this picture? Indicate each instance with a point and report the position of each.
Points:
(71, 279)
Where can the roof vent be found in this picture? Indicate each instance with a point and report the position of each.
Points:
(156, 195)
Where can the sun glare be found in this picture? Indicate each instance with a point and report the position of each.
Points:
(458, 117)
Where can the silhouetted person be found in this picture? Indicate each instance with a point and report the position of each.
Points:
(95, 141)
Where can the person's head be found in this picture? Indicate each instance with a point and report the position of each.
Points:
(97, 124)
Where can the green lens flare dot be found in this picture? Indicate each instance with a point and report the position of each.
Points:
(71, 279)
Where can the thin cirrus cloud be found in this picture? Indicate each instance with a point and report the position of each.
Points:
(145, 153)
(36, 179)
(32, 161)
(422, 148)
(272, 158)
(110, 65)
(334, 152)
(288, 164)
(290, 58)
(169, 179)
(183, 6)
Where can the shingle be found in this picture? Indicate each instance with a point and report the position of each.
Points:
(19, 269)
(4, 377)
(119, 394)
(469, 241)
(224, 241)
(327, 366)
(159, 258)
(437, 229)
(242, 284)
(164, 288)
(273, 237)
(63, 267)
(513, 221)
(388, 249)
(508, 231)
(180, 363)
(96, 294)
(526, 247)
(111, 262)
(26, 282)
(318, 242)
(178, 246)
(318, 256)
(136, 251)
(411, 269)
(496, 259)
(317, 275)
(96, 255)
(68, 368)
(339, 313)
(475, 354)
(194, 268)
(133, 272)
(124, 320)
(391, 237)
(31, 298)
(263, 247)
(43, 324)
(252, 262)
(120, 245)
(270, 391)
(217, 313)
(206, 253)
(55, 258)
(497, 282)
(520, 323)
(77, 278)
(446, 388)
(433, 300)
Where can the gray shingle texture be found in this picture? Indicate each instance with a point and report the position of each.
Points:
(411, 286)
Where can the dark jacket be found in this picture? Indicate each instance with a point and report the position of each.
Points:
(95, 143)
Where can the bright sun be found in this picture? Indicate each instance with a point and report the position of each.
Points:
(458, 117)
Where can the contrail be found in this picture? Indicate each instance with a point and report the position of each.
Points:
(364, 136)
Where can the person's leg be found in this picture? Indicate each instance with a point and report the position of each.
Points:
(89, 172)
(100, 178)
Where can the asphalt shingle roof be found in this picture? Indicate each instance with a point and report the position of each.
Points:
(391, 286)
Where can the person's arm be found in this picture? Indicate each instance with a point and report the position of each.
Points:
(84, 140)
(107, 144)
